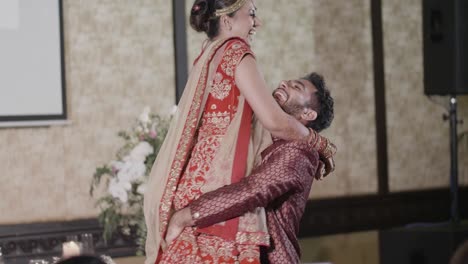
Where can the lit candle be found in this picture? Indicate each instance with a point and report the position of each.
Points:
(70, 249)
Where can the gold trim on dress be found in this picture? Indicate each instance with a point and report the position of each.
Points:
(253, 238)
(184, 146)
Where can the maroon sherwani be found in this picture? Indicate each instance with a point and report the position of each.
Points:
(281, 184)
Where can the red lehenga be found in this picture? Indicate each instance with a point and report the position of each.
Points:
(213, 148)
(196, 246)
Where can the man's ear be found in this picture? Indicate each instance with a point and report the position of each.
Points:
(309, 114)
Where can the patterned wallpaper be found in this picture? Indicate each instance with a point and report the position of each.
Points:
(119, 58)
(418, 138)
(344, 55)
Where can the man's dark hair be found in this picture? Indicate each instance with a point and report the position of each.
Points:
(322, 103)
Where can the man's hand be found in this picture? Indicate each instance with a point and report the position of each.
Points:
(178, 222)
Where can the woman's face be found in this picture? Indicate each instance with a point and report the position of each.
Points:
(245, 21)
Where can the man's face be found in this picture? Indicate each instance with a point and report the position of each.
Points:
(294, 96)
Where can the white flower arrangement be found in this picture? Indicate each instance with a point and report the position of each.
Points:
(125, 177)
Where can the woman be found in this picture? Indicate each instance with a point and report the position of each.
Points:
(210, 143)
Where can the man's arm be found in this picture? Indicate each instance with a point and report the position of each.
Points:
(283, 171)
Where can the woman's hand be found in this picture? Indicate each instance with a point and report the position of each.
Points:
(326, 150)
(325, 167)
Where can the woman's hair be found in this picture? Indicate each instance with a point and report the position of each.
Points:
(202, 15)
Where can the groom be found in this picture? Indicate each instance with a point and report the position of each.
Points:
(281, 183)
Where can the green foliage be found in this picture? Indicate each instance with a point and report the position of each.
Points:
(121, 205)
(100, 171)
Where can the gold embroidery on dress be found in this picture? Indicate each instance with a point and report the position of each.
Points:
(220, 87)
(214, 123)
(232, 58)
(183, 147)
(252, 238)
(218, 119)
(202, 156)
(188, 241)
(248, 253)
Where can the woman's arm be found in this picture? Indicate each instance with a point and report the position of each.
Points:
(252, 85)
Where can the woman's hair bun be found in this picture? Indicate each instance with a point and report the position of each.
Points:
(200, 15)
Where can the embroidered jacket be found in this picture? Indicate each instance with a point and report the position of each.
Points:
(281, 184)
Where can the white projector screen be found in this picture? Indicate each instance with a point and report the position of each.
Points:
(32, 79)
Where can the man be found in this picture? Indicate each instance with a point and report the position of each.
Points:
(281, 183)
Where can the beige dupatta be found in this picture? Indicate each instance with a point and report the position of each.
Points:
(175, 151)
